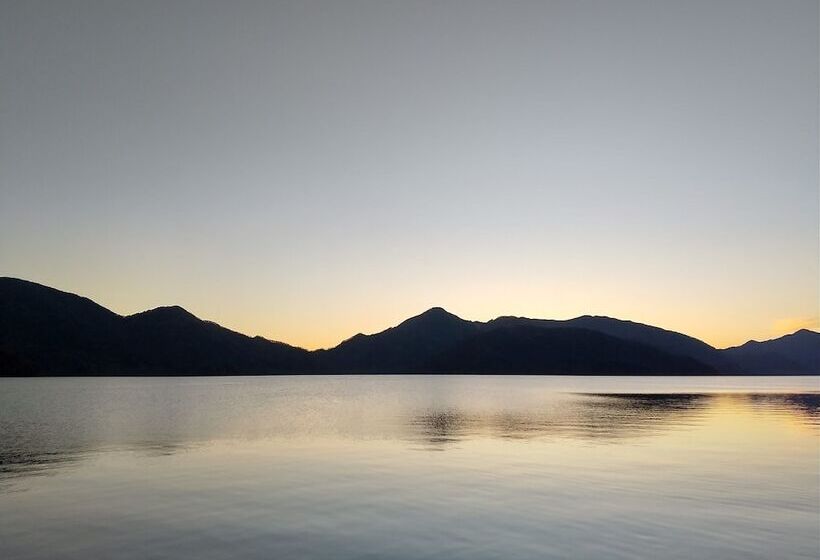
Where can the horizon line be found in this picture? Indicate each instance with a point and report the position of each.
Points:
(426, 311)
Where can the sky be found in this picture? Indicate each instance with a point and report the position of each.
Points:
(309, 170)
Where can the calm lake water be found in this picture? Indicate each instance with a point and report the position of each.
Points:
(410, 467)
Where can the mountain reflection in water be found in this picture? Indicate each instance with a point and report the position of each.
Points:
(602, 417)
(56, 441)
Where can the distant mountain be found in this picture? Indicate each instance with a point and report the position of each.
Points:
(669, 341)
(534, 349)
(796, 353)
(405, 348)
(438, 341)
(171, 340)
(44, 331)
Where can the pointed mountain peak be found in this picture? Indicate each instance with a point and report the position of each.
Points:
(167, 313)
(433, 315)
(436, 312)
(434, 321)
(171, 310)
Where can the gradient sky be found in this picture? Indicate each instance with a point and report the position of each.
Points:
(308, 170)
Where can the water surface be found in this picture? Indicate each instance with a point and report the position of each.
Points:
(407, 467)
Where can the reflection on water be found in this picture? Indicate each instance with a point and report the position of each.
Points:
(338, 467)
(806, 406)
(17, 463)
(601, 417)
(579, 416)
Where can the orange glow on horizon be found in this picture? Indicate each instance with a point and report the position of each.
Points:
(313, 336)
(316, 315)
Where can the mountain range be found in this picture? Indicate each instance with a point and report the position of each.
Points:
(44, 331)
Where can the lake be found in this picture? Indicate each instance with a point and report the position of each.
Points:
(410, 467)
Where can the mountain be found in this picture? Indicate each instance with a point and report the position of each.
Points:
(405, 348)
(534, 349)
(49, 332)
(44, 331)
(669, 341)
(172, 340)
(796, 353)
(438, 341)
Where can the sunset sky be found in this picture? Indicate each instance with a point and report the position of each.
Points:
(309, 170)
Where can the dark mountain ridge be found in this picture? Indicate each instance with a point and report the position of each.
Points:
(797, 353)
(672, 342)
(49, 332)
(570, 350)
(44, 331)
(405, 348)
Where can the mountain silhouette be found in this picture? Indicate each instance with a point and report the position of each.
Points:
(534, 349)
(172, 340)
(44, 331)
(405, 348)
(796, 353)
(669, 341)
